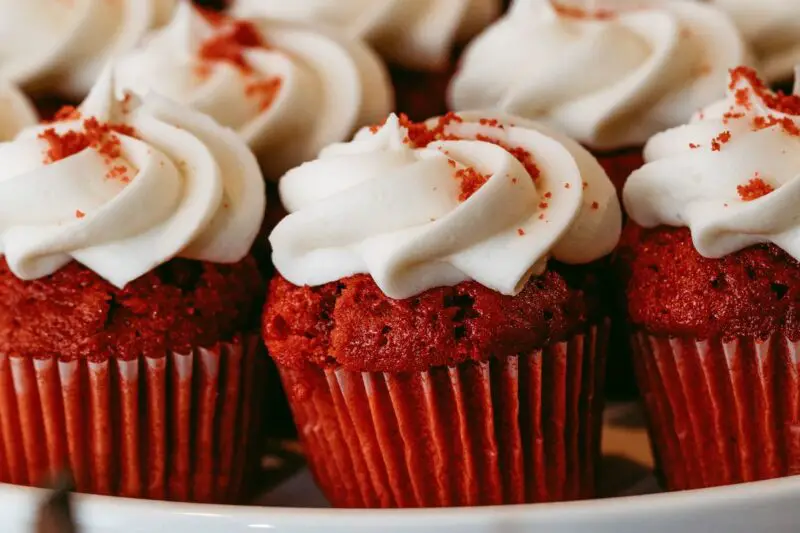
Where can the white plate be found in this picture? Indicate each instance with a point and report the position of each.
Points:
(766, 507)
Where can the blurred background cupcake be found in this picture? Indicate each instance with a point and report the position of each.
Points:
(55, 50)
(128, 301)
(609, 74)
(16, 111)
(287, 89)
(772, 27)
(419, 39)
(439, 320)
(713, 287)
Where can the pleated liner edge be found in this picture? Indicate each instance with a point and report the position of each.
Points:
(176, 427)
(721, 412)
(513, 429)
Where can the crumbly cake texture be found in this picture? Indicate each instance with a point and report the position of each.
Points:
(178, 306)
(351, 324)
(672, 290)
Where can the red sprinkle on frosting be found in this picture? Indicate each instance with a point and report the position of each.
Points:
(471, 181)
(266, 91)
(754, 189)
(100, 136)
(719, 140)
(230, 43)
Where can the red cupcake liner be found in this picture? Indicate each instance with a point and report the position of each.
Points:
(511, 430)
(176, 427)
(721, 412)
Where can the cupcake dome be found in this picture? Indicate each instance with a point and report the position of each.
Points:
(608, 79)
(288, 90)
(56, 47)
(772, 27)
(415, 34)
(433, 277)
(128, 300)
(712, 288)
(16, 111)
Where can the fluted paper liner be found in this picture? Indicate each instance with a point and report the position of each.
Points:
(721, 412)
(176, 427)
(511, 430)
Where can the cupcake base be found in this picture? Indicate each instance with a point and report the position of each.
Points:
(511, 430)
(721, 412)
(179, 427)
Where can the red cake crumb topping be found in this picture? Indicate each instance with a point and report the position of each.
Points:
(786, 124)
(719, 140)
(471, 181)
(66, 114)
(787, 104)
(265, 91)
(595, 205)
(672, 290)
(98, 135)
(79, 213)
(581, 13)
(352, 324)
(230, 43)
(421, 135)
(520, 232)
(754, 189)
(694, 146)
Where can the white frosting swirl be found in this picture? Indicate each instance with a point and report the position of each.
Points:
(325, 86)
(16, 111)
(417, 34)
(711, 184)
(181, 187)
(377, 205)
(610, 83)
(62, 45)
(773, 29)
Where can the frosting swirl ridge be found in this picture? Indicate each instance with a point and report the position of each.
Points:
(122, 186)
(289, 90)
(417, 34)
(62, 47)
(732, 175)
(610, 80)
(472, 196)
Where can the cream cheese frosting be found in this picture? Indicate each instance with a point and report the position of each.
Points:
(62, 45)
(295, 90)
(16, 111)
(610, 80)
(122, 186)
(490, 198)
(417, 34)
(773, 29)
(732, 175)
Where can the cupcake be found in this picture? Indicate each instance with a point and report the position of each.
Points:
(772, 27)
(16, 111)
(128, 303)
(713, 288)
(288, 90)
(438, 318)
(608, 78)
(420, 39)
(56, 49)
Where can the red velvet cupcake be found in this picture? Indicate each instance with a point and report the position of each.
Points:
(438, 317)
(713, 289)
(420, 40)
(128, 301)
